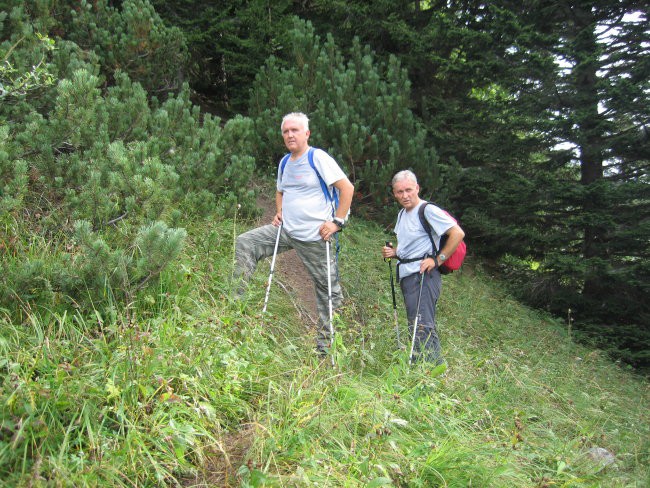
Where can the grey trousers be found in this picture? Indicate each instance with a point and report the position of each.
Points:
(259, 243)
(427, 343)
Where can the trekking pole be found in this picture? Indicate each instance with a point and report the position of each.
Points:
(275, 253)
(415, 321)
(329, 295)
(392, 288)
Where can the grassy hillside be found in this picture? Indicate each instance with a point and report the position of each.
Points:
(186, 387)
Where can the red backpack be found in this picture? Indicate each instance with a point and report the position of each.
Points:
(456, 259)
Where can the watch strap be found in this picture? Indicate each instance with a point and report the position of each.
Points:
(339, 222)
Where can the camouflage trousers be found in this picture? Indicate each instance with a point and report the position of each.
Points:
(259, 243)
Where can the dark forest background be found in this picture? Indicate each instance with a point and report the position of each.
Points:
(527, 119)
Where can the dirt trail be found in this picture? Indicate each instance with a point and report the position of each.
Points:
(289, 273)
(290, 276)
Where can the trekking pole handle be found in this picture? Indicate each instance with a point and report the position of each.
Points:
(388, 244)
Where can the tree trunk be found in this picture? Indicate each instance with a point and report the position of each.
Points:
(590, 136)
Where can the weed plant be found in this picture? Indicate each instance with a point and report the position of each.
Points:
(184, 386)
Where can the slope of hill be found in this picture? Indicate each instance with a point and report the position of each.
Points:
(187, 387)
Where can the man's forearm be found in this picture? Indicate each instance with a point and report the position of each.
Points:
(278, 203)
(454, 236)
(346, 191)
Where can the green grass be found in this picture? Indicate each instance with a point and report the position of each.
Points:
(190, 388)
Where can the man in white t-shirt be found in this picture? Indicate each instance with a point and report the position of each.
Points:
(307, 218)
(418, 268)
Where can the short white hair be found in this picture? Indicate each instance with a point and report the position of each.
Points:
(406, 174)
(299, 116)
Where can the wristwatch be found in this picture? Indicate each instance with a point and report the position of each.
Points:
(442, 257)
(339, 222)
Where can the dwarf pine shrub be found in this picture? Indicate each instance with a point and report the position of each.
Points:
(207, 156)
(123, 271)
(132, 38)
(93, 272)
(99, 175)
(13, 175)
(359, 110)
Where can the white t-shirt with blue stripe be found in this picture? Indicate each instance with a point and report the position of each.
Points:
(304, 207)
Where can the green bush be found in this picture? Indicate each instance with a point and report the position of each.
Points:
(89, 272)
(13, 174)
(206, 155)
(94, 168)
(132, 39)
(359, 110)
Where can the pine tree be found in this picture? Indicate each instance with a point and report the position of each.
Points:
(132, 39)
(581, 211)
(359, 110)
(94, 168)
(228, 41)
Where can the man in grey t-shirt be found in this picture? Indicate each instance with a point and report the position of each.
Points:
(419, 273)
(306, 218)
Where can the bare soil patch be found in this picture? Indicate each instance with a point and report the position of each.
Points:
(221, 466)
(289, 273)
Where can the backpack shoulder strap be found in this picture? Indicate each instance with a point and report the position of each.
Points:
(329, 197)
(399, 216)
(283, 163)
(332, 198)
(427, 226)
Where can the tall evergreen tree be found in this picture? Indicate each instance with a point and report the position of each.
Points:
(229, 41)
(588, 193)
